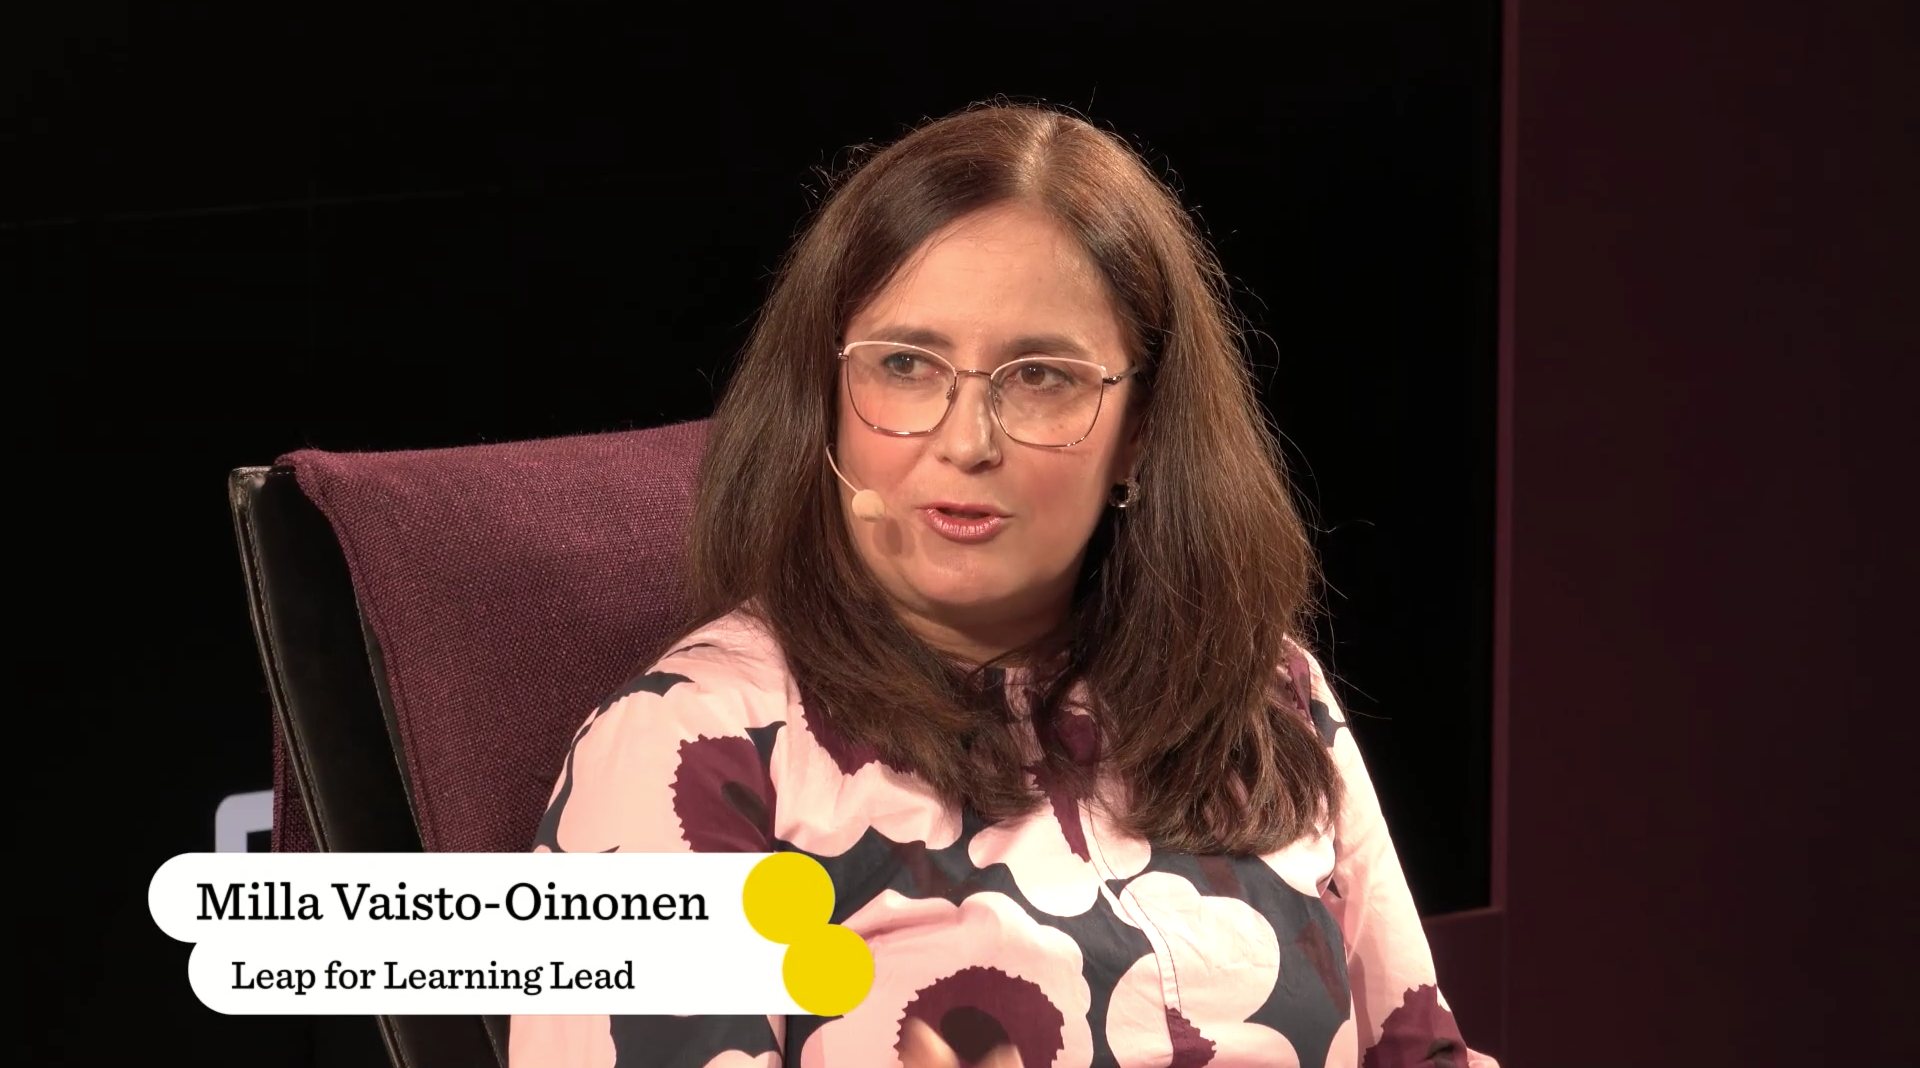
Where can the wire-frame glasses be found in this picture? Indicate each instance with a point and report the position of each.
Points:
(906, 390)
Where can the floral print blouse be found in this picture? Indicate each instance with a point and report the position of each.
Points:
(1054, 932)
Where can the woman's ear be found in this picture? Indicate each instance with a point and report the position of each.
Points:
(1126, 462)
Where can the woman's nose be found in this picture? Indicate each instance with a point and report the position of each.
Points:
(968, 438)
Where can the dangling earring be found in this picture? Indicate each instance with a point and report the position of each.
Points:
(1131, 488)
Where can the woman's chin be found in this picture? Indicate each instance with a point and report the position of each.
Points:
(965, 600)
(964, 605)
(998, 618)
(988, 604)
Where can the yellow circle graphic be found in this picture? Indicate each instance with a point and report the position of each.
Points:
(787, 897)
(828, 970)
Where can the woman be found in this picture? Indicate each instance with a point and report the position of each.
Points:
(995, 573)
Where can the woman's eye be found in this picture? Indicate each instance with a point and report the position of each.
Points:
(903, 364)
(1039, 376)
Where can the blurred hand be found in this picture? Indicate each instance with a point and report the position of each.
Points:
(922, 1047)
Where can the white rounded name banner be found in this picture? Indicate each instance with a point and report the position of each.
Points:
(505, 933)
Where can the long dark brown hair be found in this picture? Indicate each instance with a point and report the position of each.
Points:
(1186, 601)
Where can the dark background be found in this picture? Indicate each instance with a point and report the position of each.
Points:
(1705, 640)
(235, 230)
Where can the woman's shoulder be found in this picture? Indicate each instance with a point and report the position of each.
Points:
(739, 642)
(730, 668)
(1304, 680)
(694, 727)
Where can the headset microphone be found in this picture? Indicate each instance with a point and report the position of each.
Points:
(866, 503)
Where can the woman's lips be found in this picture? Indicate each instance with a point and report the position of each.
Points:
(956, 528)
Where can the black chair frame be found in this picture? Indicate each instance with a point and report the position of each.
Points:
(335, 716)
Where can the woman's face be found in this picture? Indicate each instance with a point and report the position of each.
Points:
(1003, 283)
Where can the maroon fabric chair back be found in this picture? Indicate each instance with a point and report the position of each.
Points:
(508, 589)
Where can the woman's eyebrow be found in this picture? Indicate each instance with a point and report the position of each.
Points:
(1046, 344)
(913, 335)
(1025, 345)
